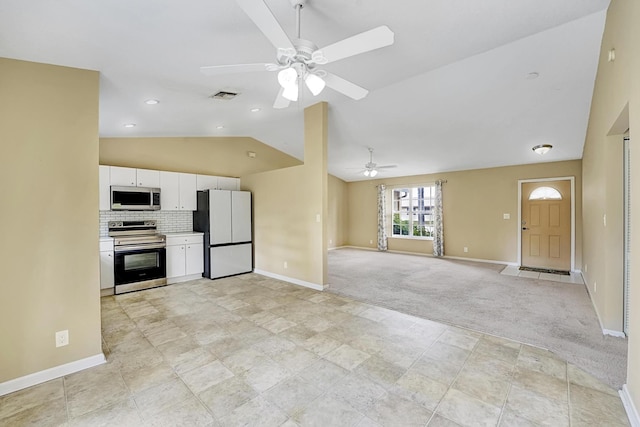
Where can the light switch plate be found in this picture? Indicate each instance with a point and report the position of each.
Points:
(506, 216)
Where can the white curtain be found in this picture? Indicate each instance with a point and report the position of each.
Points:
(438, 235)
(382, 218)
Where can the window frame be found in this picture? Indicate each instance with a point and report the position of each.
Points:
(411, 210)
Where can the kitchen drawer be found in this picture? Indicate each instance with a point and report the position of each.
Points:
(184, 239)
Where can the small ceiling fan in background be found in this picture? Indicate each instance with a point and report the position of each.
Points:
(371, 169)
(297, 60)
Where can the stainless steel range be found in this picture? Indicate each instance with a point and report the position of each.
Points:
(139, 255)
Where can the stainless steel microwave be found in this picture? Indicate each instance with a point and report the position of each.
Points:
(135, 198)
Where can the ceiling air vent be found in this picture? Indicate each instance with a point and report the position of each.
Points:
(224, 95)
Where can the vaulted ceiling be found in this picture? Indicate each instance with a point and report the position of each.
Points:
(455, 91)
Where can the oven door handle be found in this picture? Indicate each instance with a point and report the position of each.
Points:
(139, 247)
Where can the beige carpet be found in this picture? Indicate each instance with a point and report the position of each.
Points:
(552, 315)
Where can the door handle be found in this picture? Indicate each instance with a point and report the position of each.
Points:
(524, 228)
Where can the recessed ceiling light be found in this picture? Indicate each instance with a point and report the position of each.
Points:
(255, 110)
(152, 102)
(130, 125)
(533, 75)
(220, 127)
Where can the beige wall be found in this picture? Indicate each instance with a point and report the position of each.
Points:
(287, 204)
(474, 202)
(338, 215)
(602, 169)
(49, 245)
(615, 107)
(222, 156)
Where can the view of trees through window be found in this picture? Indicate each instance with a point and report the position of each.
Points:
(412, 210)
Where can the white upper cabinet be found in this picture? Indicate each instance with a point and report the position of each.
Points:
(178, 191)
(206, 182)
(226, 183)
(104, 186)
(147, 178)
(134, 177)
(209, 182)
(169, 191)
(123, 176)
(187, 192)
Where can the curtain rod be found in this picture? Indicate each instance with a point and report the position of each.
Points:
(441, 181)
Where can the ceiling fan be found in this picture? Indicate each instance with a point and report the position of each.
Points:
(371, 169)
(297, 60)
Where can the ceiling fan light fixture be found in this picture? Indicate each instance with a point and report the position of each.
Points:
(288, 77)
(314, 83)
(373, 173)
(291, 92)
(542, 148)
(367, 172)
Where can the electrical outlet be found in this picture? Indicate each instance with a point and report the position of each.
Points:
(286, 265)
(586, 269)
(466, 249)
(62, 338)
(330, 241)
(595, 286)
(506, 216)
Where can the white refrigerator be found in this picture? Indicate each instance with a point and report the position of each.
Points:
(224, 217)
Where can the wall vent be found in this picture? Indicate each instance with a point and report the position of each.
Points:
(224, 95)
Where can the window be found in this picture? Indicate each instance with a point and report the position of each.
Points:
(545, 193)
(412, 209)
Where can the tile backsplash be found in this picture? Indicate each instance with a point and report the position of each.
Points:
(168, 221)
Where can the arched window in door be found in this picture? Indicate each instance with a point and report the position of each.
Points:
(545, 193)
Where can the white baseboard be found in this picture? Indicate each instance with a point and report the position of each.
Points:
(488, 261)
(618, 334)
(289, 279)
(50, 374)
(364, 248)
(629, 407)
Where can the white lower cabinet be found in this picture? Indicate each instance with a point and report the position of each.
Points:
(185, 257)
(106, 264)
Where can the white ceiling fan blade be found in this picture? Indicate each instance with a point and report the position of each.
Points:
(364, 42)
(281, 101)
(237, 68)
(345, 87)
(386, 167)
(261, 15)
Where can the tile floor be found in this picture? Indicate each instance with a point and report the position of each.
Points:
(512, 270)
(250, 350)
